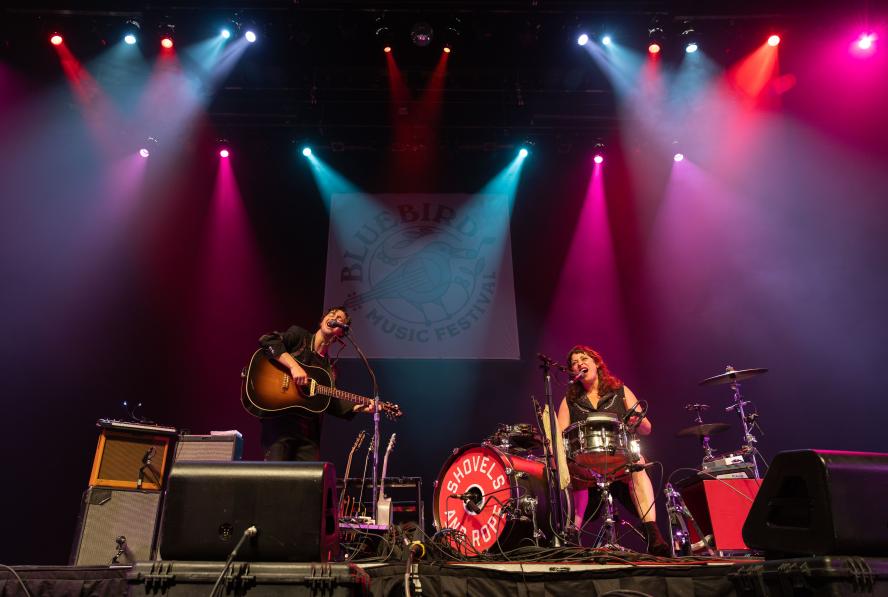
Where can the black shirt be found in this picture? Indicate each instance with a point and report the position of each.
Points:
(302, 425)
(612, 402)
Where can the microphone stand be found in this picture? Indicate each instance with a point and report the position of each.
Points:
(376, 437)
(555, 486)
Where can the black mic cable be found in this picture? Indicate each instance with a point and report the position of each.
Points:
(250, 531)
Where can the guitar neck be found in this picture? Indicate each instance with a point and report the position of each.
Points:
(343, 395)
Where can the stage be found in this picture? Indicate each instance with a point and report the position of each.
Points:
(676, 578)
(233, 230)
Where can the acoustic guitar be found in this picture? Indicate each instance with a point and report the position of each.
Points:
(269, 390)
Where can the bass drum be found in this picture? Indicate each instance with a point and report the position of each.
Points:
(495, 499)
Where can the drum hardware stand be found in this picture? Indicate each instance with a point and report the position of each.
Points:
(679, 517)
(704, 439)
(607, 534)
(552, 451)
(746, 421)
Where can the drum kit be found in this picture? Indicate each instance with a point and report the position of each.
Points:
(504, 492)
(748, 453)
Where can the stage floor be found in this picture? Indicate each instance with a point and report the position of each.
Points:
(809, 576)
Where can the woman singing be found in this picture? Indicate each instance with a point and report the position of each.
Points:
(596, 390)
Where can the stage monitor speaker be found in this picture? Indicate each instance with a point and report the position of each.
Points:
(209, 505)
(106, 516)
(821, 502)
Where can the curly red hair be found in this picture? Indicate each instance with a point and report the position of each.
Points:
(607, 381)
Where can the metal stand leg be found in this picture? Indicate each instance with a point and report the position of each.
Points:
(376, 440)
(607, 534)
(679, 517)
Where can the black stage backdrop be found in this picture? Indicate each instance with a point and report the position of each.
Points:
(91, 318)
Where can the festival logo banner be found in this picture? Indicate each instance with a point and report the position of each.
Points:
(424, 276)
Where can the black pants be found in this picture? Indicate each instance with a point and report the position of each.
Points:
(619, 490)
(293, 449)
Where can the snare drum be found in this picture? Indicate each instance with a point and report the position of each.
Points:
(600, 443)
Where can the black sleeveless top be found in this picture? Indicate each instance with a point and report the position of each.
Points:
(612, 402)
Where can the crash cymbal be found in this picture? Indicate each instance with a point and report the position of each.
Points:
(731, 375)
(703, 430)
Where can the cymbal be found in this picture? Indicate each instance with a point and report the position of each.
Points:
(701, 430)
(731, 376)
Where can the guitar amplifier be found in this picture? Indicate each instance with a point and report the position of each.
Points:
(131, 455)
(720, 508)
(209, 448)
(112, 521)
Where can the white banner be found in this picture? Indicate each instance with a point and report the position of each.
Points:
(424, 276)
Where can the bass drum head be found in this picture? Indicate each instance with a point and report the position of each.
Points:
(490, 484)
(478, 471)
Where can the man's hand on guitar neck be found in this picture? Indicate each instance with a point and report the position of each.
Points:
(363, 408)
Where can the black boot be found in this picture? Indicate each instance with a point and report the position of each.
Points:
(656, 545)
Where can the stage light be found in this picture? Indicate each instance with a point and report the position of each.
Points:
(690, 38)
(655, 38)
(225, 33)
(598, 156)
(606, 40)
(452, 34)
(167, 34)
(383, 33)
(306, 151)
(773, 40)
(131, 32)
(150, 144)
(56, 39)
(421, 34)
(250, 36)
(224, 153)
(866, 41)
(522, 153)
(583, 39)
(678, 157)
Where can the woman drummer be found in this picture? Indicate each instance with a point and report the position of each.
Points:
(596, 390)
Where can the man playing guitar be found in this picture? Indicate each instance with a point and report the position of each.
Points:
(297, 435)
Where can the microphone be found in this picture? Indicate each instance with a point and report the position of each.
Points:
(550, 363)
(634, 468)
(579, 375)
(417, 549)
(469, 500)
(338, 324)
(149, 454)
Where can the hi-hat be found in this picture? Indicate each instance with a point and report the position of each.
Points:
(703, 430)
(731, 375)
